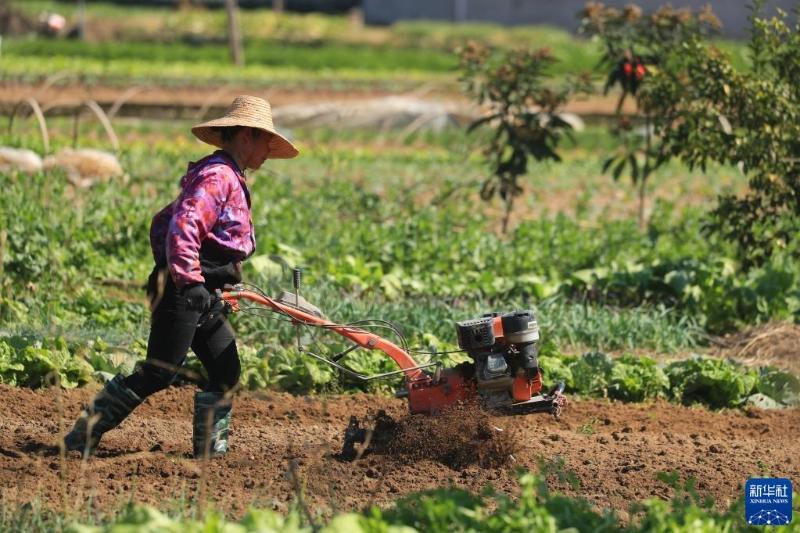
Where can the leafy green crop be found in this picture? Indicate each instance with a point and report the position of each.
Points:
(715, 382)
(710, 381)
(30, 363)
(634, 379)
(781, 386)
(391, 234)
(591, 373)
(10, 365)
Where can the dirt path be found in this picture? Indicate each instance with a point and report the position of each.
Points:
(614, 449)
(189, 100)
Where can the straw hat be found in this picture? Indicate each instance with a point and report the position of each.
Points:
(252, 112)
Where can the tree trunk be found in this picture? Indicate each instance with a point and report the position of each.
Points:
(642, 197)
(81, 29)
(234, 33)
(507, 215)
(645, 170)
(278, 6)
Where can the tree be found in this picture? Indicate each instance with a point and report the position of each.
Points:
(522, 113)
(635, 46)
(750, 119)
(234, 33)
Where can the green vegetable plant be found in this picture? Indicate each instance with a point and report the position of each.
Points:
(28, 362)
(635, 379)
(536, 506)
(715, 382)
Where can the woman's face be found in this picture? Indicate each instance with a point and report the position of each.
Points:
(256, 147)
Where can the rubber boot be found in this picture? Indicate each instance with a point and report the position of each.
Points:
(212, 418)
(108, 409)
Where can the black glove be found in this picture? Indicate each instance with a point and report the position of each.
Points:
(230, 273)
(197, 297)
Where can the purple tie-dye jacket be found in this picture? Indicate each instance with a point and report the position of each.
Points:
(214, 205)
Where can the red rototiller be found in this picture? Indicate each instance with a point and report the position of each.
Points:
(504, 374)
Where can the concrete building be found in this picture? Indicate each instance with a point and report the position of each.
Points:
(324, 6)
(563, 13)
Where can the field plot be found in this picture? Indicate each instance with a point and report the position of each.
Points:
(372, 219)
(613, 449)
(678, 352)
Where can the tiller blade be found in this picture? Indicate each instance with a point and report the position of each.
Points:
(357, 439)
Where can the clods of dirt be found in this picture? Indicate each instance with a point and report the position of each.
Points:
(461, 436)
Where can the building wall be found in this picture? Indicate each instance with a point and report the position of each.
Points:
(325, 6)
(732, 13)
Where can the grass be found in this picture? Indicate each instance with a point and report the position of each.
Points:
(337, 52)
(260, 53)
(35, 69)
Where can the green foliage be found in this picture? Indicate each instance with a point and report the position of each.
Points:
(31, 363)
(634, 46)
(522, 113)
(372, 249)
(173, 35)
(591, 373)
(634, 379)
(10, 365)
(263, 53)
(299, 374)
(750, 119)
(557, 368)
(781, 386)
(715, 382)
(687, 510)
(710, 381)
(632, 40)
(719, 291)
(27, 361)
(147, 519)
(628, 378)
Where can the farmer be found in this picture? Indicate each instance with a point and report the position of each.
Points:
(198, 243)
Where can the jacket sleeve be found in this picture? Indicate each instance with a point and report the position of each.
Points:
(196, 213)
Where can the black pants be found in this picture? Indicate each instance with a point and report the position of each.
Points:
(173, 330)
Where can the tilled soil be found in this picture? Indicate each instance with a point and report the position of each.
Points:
(283, 444)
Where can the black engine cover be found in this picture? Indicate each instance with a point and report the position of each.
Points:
(475, 334)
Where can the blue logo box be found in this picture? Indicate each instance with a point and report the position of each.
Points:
(768, 501)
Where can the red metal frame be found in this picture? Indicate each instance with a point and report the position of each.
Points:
(426, 393)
